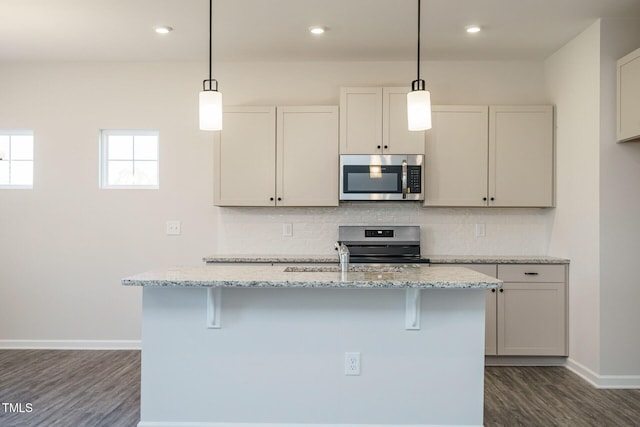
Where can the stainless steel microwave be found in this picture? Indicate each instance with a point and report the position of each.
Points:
(381, 177)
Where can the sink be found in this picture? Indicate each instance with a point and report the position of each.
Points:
(352, 268)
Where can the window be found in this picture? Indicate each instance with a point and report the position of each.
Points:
(16, 159)
(128, 159)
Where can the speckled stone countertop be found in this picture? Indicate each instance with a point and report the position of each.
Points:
(435, 259)
(501, 259)
(276, 276)
(271, 258)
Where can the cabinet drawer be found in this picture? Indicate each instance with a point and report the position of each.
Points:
(531, 273)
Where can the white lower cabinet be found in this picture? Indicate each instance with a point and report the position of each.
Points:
(528, 316)
(277, 156)
(532, 310)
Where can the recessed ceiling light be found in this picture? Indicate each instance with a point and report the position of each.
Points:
(472, 29)
(317, 30)
(163, 29)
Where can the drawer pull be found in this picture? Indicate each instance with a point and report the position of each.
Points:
(531, 274)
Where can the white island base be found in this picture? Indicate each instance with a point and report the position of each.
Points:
(278, 358)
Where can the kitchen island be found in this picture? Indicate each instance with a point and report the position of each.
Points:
(266, 345)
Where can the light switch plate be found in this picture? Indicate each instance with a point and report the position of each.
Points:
(481, 230)
(174, 228)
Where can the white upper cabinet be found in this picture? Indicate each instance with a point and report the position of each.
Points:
(245, 157)
(490, 156)
(360, 120)
(521, 154)
(628, 128)
(396, 136)
(307, 156)
(284, 156)
(373, 120)
(456, 156)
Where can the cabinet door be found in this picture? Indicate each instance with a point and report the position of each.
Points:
(531, 319)
(491, 323)
(396, 136)
(456, 154)
(521, 156)
(629, 97)
(307, 151)
(245, 157)
(360, 120)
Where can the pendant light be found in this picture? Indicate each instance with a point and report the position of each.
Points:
(419, 99)
(210, 98)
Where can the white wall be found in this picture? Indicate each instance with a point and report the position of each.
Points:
(573, 79)
(595, 223)
(66, 244)
(619, 214)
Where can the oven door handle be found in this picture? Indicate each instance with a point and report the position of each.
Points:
(404, 179)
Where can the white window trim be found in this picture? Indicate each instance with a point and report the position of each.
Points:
(103, 178)
(12, 132)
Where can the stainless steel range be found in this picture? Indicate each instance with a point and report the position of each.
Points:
(382, 244)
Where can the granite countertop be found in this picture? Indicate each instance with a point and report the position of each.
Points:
(271, 258)
(498, 259)
(435, 259)
(276, 276)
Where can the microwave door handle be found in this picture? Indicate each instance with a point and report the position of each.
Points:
(404, 179)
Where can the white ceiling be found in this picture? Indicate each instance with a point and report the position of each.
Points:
(122, 30)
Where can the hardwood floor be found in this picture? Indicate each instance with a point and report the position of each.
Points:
(70, 388)
(554, 396)
(102, 388)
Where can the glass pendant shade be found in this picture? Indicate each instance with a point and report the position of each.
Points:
(419, 110)
(210, 110)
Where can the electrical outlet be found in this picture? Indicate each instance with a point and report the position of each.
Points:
(481, 230)
(352, 363)
(287, 230)
(174, 228)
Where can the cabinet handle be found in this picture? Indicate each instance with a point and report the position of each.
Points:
(404, 179)
(493, 291)
(484, 199)
(378, 147)
(531, 273)
(271, 199)
(279, 199)
(493, 198)
(386, 146)
(501, 290)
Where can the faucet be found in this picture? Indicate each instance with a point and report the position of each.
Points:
(343, 253)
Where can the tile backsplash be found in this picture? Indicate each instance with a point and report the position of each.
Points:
(445, 231)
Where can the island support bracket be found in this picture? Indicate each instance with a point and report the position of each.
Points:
(214, 307)
(412, 311)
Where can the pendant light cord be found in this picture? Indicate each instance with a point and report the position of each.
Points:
(419, 1)
(211, 81)
(211, 38)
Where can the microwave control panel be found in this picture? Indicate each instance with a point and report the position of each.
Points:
(414, 179)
